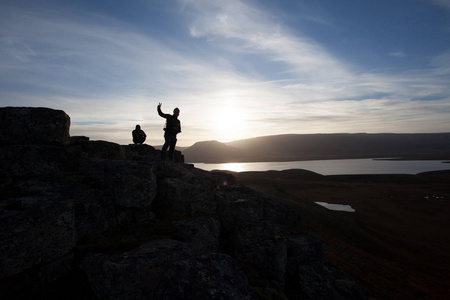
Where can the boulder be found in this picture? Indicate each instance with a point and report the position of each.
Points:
(94, 208)
(222, 179)
(260, 248)
(79, 139)
(132, 184)
(210, 276)
(142, 152)
(33, 125)
(201, 235)
(162, 270)
(37, 160)
(102, 150)
(308, 277)
(132, 275)
(234, 211)
(323, 281)
(34, 230)
(111, 193)
(237, 204)
(303, 248)
(185, 191)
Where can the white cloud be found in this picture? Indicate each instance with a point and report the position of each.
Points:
(444, 3)
(397, 54)
(311, 72)
(109, 77)
(245, 28)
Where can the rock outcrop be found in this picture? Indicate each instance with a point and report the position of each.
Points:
(27, 125)
(83, 219)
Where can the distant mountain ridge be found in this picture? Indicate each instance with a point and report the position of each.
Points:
(290, 147)
(214, 151)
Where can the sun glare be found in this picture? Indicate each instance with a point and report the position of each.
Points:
(229, 124)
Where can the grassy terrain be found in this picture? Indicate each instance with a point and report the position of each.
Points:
(397, 242)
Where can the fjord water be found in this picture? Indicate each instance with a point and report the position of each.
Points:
(336, 166)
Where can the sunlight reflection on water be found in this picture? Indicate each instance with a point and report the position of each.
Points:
(235, 167)
(336, 166)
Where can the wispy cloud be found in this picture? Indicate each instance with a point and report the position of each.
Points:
(103, 73)
(397, 54)
(77, 55)
(444, 3)
(108, 76)
(245, 28)
(316, 78)
(310, 70)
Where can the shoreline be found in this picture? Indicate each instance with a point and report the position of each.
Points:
(365, 166)
(444, 158)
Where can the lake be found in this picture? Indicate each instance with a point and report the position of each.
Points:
(336, 166)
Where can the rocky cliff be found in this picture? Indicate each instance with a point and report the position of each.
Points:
(83, 219)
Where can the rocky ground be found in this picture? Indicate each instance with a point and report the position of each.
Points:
(83, 219)
(396, 242)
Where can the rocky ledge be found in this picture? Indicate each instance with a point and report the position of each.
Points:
(83, 219)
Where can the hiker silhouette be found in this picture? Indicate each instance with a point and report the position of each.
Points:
(172, 128)
(139, 135)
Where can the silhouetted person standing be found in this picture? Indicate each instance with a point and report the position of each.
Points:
(139, 135)
(172, 128)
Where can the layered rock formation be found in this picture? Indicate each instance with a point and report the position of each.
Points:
(83, 219)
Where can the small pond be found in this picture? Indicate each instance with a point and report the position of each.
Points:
(338, 207)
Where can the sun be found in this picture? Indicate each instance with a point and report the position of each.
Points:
(229, 124)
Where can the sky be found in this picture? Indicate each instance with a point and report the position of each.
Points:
(236, 69)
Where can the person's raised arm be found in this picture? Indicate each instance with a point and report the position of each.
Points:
(160, 112)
